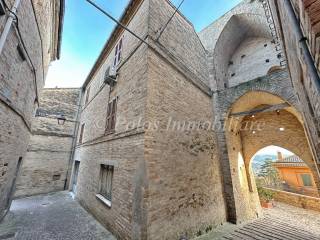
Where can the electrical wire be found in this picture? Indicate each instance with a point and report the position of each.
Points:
(116, 21)
(165, 26)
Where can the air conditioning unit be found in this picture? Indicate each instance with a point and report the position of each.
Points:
(2, 9)
(110, 77)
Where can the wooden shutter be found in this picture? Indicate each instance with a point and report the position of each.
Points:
(115, 56)
(117, 53)
(87, 95)
(81, 133)
(119, 50)
(111, 116)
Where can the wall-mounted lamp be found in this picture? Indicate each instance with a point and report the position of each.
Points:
(61, 119)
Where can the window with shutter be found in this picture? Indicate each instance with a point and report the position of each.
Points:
(118, 53)
(106, 178)
(81, 133)
(87, 95)
(111, 116)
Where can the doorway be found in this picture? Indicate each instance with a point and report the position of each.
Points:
(75, 177)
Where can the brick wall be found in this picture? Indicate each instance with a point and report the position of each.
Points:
(18, 93)
(46, 165)
(303, 82)
(124, 149)
(185, 186)
(297, 200)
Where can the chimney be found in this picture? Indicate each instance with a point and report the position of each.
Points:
(280, 157)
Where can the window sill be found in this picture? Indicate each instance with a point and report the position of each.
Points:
(103, 200)
(110, 132)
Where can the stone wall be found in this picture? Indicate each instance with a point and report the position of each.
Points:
(240, 46)
(185, 185)
(304, 82)
(136, 211)
(46, 165)
(123, 149)
(297, 200)
(20, 82)
(170, 180)
(241, 194)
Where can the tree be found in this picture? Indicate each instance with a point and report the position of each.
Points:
(269, 174)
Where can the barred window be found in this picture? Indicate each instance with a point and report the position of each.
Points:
(106, 181)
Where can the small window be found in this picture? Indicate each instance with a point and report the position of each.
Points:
(56, 177)
(230, 63)
(243, 56)
(267, 60)
(233, 74)
(106, 177)
(87, 95)
(307, 180)
(21, 52)
(81, 133)
(266, 45)
(111, 116)
(118, 53)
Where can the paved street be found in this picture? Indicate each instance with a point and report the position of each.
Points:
(51, 217)
(58, 217)
(280, 223)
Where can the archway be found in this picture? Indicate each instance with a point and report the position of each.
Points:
(256, 120)
(245, 38)
(279, 169)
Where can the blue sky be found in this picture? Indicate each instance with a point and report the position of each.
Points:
(86, 30)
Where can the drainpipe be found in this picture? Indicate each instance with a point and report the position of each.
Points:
(74, 143)
(8, 24)
(303, 44)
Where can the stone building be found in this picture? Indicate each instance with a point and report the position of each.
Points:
(169, 123)
(45, 167)
(299, 27)
(32, 42)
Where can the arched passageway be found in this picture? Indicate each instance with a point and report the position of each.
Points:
(277, 168)
(256, 120)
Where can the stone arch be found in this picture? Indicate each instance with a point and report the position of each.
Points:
(243, 33)
(243, 143)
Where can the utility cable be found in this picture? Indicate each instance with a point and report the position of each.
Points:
(170, 19)
(119, 23)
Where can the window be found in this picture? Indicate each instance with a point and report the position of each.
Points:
(81, 133)
(87, 96)
(111, 116)
(307, 180)
(117, 53)
(106, 181)
(56, 177)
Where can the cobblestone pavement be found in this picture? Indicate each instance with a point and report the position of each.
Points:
(280, 223)
(51, 217)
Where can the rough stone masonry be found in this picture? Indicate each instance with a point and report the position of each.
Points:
(167, 183)
(29, 48)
